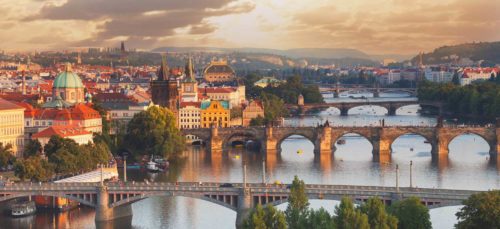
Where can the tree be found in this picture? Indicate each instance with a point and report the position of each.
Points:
(32, 148)
(56, 142)
(154, 131)
(319, 219)
(296, 211)
(347, 217)
(377, 215)
(274, 107)
(236, 112)
(34, 168)
(6, 155)
(259, 121)
(481, 210)
(411, 214)
(268, 217)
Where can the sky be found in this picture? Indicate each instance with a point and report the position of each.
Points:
(373, 26)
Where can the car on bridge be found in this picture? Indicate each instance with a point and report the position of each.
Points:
(226, 185)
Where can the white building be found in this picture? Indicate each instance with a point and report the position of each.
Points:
(469, 75)
(235, 95)
(189, 115)
(438, 74)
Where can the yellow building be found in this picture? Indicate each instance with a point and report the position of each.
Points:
(215, 112)
(12, 126)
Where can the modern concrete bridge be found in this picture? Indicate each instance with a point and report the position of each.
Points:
(375, 90)
(324, 137)
(344, 106)
(113, 200)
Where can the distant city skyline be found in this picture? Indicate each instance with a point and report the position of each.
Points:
(372, 26)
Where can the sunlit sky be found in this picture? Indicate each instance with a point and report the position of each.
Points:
(372, 26)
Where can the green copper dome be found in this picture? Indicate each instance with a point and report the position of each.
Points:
(68, 79)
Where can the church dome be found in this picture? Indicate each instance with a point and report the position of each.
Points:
(68, 79)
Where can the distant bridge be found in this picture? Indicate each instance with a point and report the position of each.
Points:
(113, 200)
(324, 137)
(344, 107)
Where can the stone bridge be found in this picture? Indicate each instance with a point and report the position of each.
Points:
(113, 200)
(375, 90)
(344, 107)
(324, 137)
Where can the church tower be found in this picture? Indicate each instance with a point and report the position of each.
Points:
(164, 90)
(189, 92)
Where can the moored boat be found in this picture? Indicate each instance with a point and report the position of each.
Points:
(23, 209)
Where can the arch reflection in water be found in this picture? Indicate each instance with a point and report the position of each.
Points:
(353, 147)
(411, 147)
(469, 148)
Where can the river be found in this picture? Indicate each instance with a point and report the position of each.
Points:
(467, 167)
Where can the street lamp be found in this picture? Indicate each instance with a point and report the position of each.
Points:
(411, 175)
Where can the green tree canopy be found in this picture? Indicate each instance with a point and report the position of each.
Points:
(377, 215)
(481, 210)
(347, 217)
(6, 155)
(319, 219)
(411, 214)
(32, 148)
(34, 168)
(265, 218)
(297, 209)
(154, 131)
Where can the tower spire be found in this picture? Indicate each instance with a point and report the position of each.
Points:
(190, 69)
(163, 74)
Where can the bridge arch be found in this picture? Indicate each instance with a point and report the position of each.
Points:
(242, 136)
(489, 142)
(408, 105)
(368, 105)
(427, 140)
(343, 134)
(309, 137)
(60, 195)
(137, 198)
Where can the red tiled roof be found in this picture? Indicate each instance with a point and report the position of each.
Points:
(7, 105)
(63, 131)
(185, 104)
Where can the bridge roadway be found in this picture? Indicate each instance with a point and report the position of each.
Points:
(345, 106)
(325, 136)
(112, 200)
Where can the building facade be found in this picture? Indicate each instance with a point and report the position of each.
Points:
(219, 71)
(189, 115)
(215, 113)
(12, 126)
(253, 110)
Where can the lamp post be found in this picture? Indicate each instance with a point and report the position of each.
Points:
(411, 174)
(263, 171)
(124, 167)
(102, 181)
(397, 178)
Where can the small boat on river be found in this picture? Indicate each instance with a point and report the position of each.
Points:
(23, 209)
(341, 141)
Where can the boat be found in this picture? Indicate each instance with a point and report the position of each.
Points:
(299, 151)
(237, 157)
(411, 149)
(23, 209)
(341, 141)
(152, 166)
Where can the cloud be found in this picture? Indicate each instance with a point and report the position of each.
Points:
(141, 22)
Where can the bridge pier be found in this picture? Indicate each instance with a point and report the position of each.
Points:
(381, 146)
(344, 111)
(244, 207)
(391, 111)
(103, 212)
(336, 94)
(216, 146)
(324, 142)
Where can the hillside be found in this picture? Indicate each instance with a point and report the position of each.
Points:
(464, 54)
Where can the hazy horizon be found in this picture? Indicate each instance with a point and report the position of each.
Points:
(374, 27)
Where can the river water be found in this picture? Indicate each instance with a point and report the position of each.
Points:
(467, 167)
